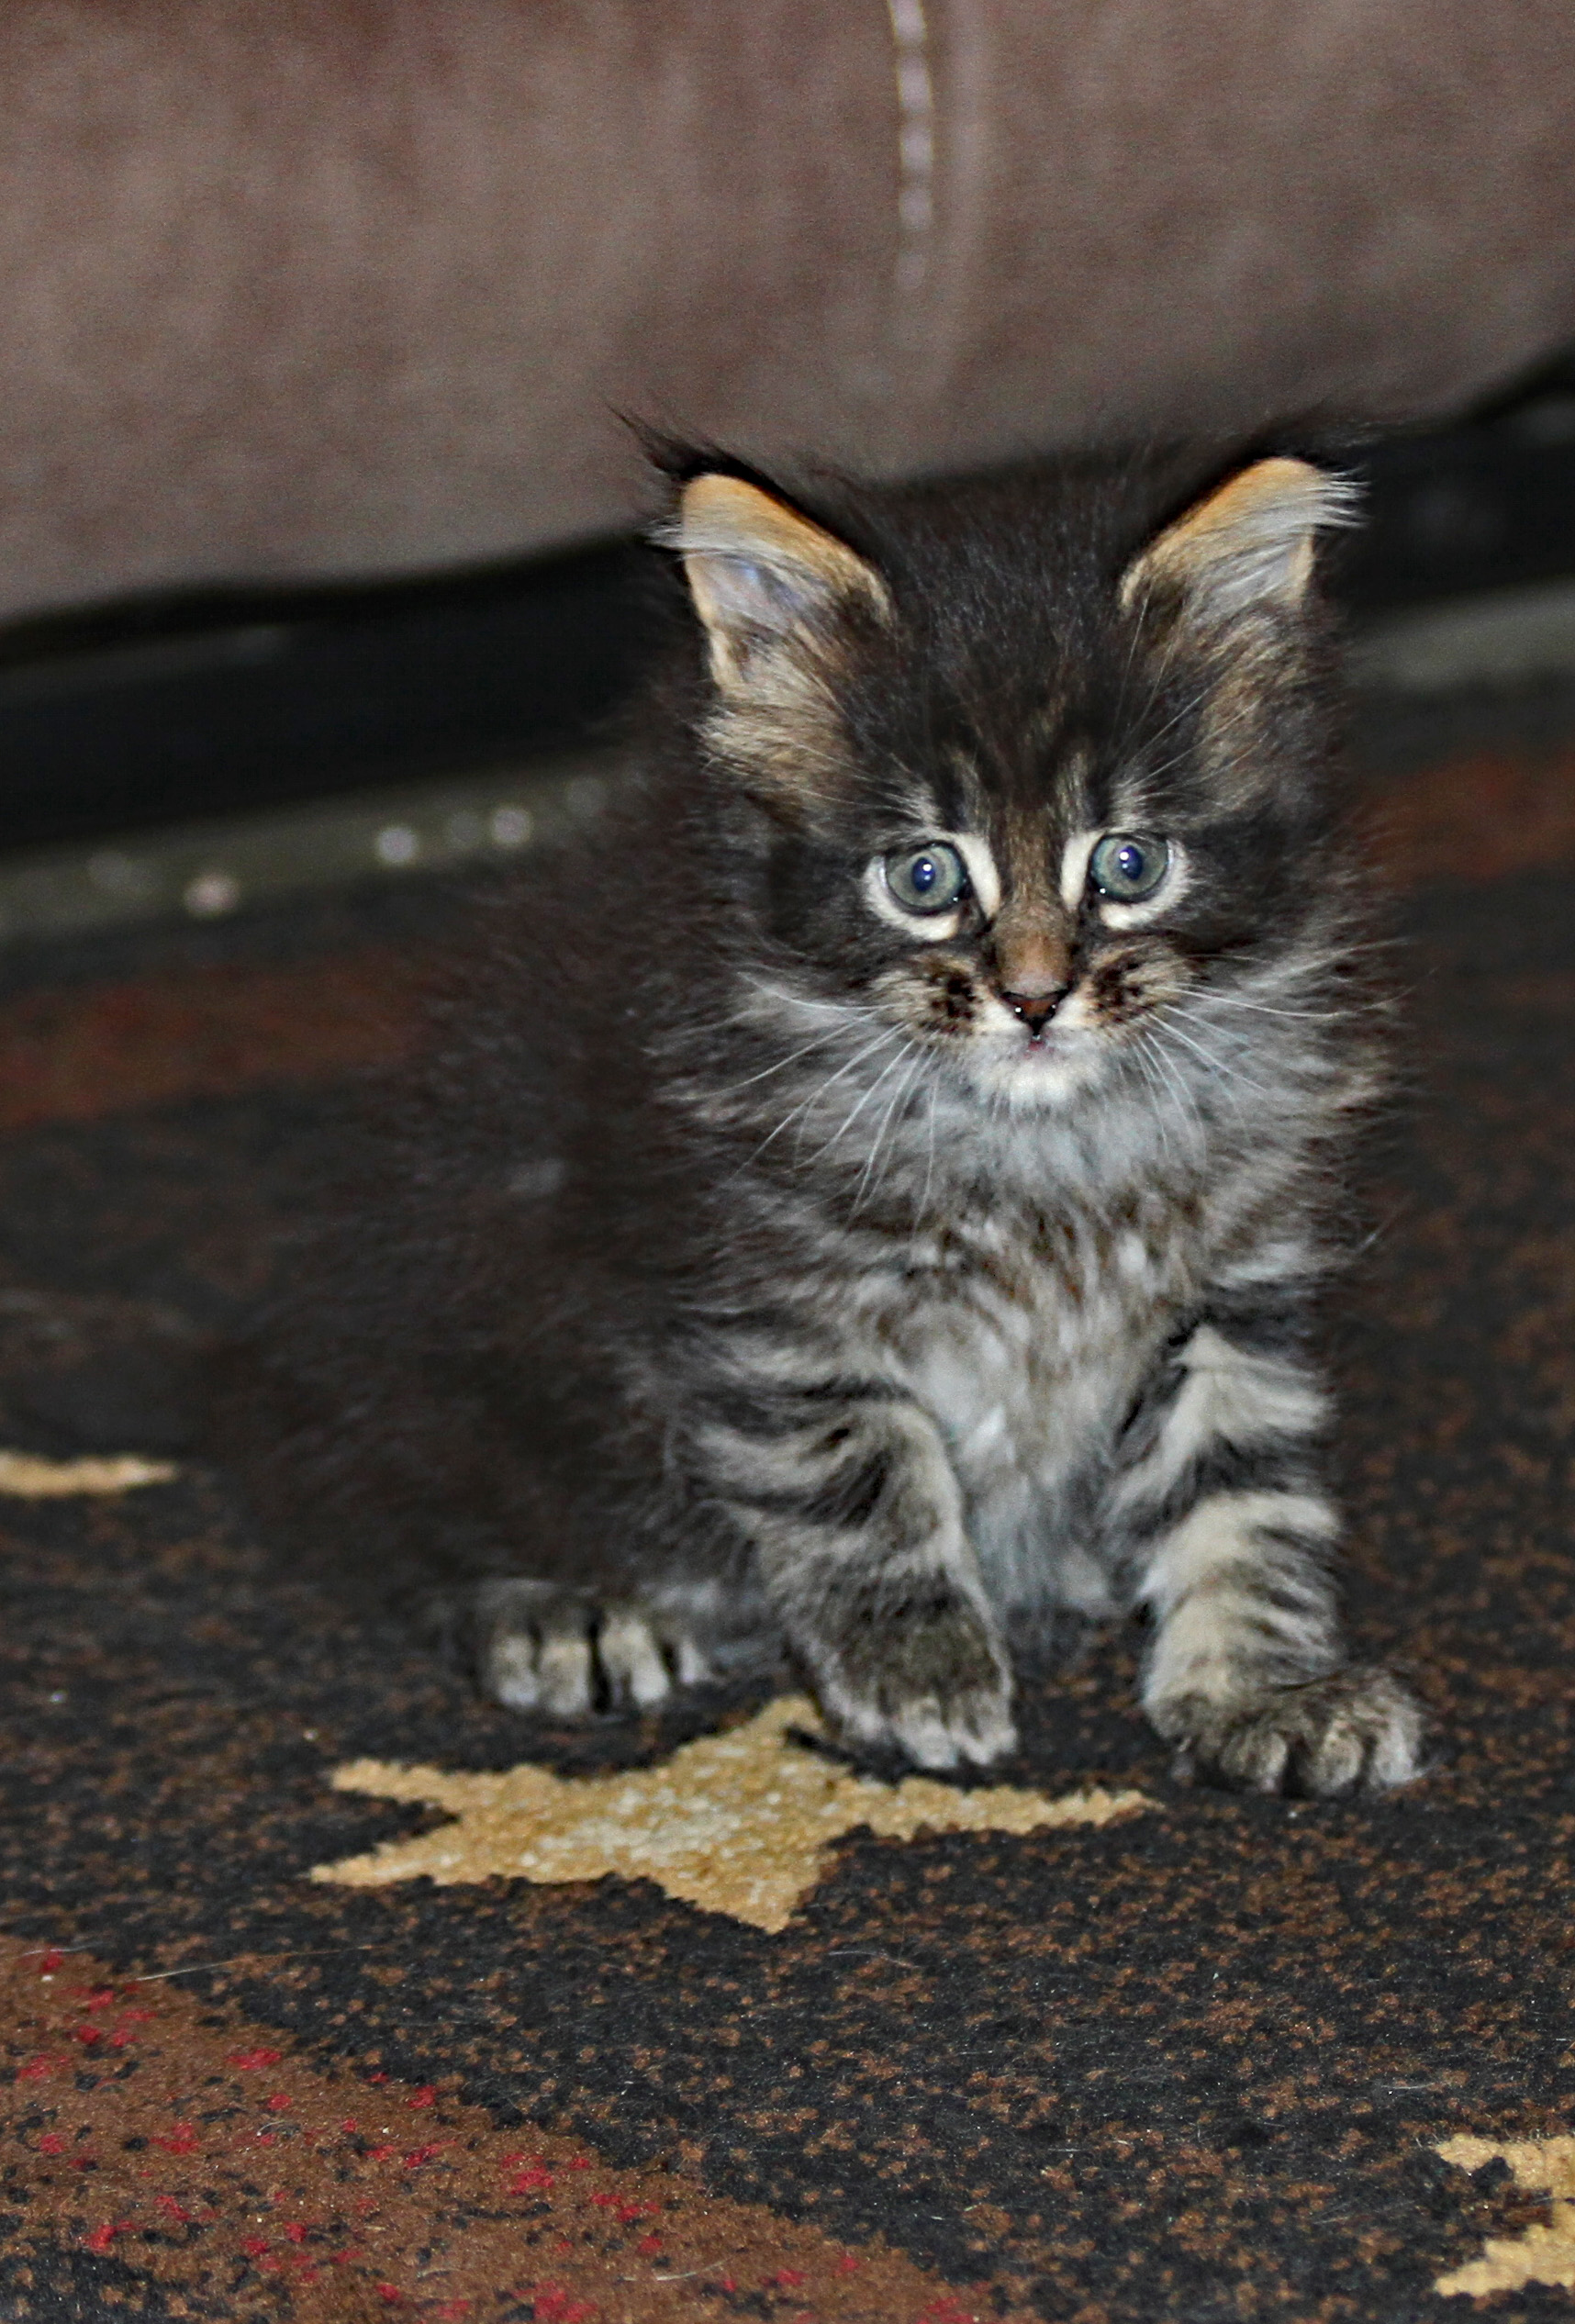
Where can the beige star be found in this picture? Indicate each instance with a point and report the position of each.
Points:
(30, 1478)
(740, 1823)
(1543, 2254)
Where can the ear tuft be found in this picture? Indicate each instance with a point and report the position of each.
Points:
(764, 578)
(1248, 545)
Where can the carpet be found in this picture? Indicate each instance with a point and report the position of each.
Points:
(329, 1992)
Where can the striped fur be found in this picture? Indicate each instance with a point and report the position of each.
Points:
(891, 1286)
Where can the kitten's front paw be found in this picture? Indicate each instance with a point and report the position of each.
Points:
(927, 1679)
(1357, 1730)
(543, 1648)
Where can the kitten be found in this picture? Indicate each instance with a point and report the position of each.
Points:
(868, 1200)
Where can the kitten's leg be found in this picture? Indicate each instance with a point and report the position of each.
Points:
(1230, 1537)
(855, 1512)
(541, 1647)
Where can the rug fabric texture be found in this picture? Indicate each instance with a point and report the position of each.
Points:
(1188, 2057)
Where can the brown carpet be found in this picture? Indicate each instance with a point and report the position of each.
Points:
(1074, 2044)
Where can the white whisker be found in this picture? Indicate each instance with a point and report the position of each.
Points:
(930, 1163)
(849, 1118)
(1208, 999)
(781, 1065)
(867, 1179)
(1225, 1071)
(1155, 1095)
(1176, 1080)
(887, 1034)
(787, 1000)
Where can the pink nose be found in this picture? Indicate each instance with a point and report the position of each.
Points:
(1035, 1008)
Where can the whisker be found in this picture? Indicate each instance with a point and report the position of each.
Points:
(930, 1163)
(1208, 999)
(849, 1118)
(866, 1179)
(799, 1000)
(1217, 1062)
(1189, 706)
(780, 1066)
(1176, 1082)
(1155, 1095)
(1134, 637)
(886, 1034)
(1225, 1071)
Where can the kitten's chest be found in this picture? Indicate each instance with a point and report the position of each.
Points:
(1026, 1341)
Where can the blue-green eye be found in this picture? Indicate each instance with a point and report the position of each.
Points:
(927, 880)
(1127, 866)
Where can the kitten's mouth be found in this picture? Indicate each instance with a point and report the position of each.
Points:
(1034, 1065)
(1044, 1063)
(1048, 1034)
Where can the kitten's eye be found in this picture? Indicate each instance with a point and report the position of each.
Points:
(1128, 865)
(927, 880)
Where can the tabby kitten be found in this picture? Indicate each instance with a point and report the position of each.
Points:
(868, 1200)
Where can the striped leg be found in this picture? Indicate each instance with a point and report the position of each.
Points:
(1231, 1539)
(845, 1489)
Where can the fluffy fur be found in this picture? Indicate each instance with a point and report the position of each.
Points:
(777, 1249)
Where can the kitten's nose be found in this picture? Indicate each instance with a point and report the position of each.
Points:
(1035, 1008)
(1032, 961)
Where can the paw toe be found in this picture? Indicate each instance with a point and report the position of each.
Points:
(924, 1735)
(508, 1670)
(631, 1660)
(1335, 1760)
(987, 1734)
(542, 1647)
(931, 1732)
(567, 1672)
(689, 1664)
(1356, 1730)
(1256, 1758)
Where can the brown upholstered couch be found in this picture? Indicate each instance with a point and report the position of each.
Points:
(305, 287)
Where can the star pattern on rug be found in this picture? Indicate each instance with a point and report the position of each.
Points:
(1543, 2254)
(741, 1823)
(29, 1477)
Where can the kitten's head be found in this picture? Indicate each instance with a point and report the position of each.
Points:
(1035, 771)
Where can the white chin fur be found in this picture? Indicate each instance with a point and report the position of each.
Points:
(1036, 1080)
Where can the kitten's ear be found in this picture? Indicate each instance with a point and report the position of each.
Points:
(765, 581)
(1247, 547)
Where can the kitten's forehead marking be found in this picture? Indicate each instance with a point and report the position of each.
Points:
(1075, 866)
(1072, 780)
(983, 874)
(1028, 845)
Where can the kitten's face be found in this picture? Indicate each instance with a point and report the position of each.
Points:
(1030, 942)
(1028, 808)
